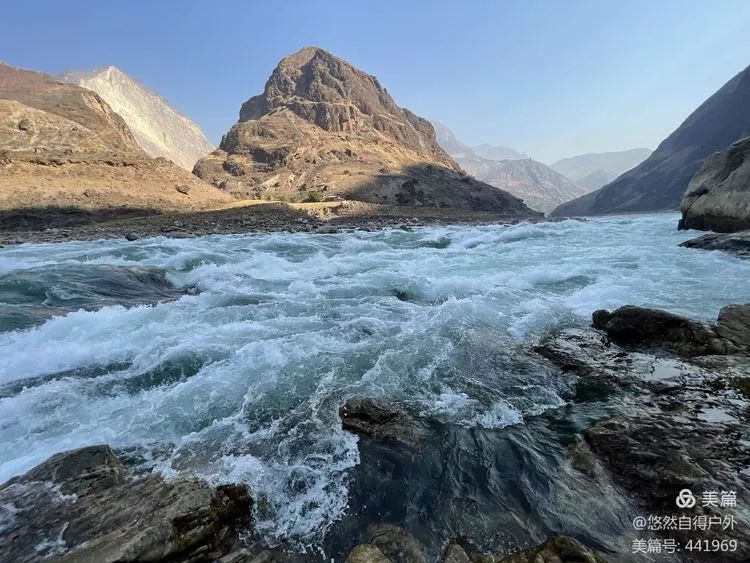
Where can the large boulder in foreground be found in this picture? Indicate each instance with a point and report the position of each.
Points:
(84, 506)
(718, 196)
(657, 329)
(323, 128)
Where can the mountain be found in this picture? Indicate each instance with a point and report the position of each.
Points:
(63, 150)
(448, 141)
(593, 170)
(159, 128)
(495, 152)
(659, 182)
(539, 186)
(718, 197)
(323, 128)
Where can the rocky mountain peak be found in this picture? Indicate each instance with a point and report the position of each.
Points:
(337, 97)
(323, 128)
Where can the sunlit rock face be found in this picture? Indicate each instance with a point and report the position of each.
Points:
(324, 128)
(159, 129)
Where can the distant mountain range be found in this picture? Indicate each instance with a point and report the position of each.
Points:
(659, 182)
(591, 171)
(537, 184)
(159, 128)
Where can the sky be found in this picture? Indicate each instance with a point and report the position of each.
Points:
(551, 78)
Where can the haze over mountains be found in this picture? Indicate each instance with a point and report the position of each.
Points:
(593, 170)
(159, 128)
(538, 185)
(323, 128)
(658, 183)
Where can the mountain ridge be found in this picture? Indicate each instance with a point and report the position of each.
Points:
(323, 128)
(659, 182)
(159, 128)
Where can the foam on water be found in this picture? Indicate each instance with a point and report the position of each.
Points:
(242, 382)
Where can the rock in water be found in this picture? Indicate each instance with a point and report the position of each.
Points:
(377, 419)
(659, 182)
(324, 128)
(158, 128)
(654, 328)
(718, 197)
(737, 243)
(84, 506)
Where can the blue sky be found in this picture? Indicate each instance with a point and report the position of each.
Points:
(551, 78)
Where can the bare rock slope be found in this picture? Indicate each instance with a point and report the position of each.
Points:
(539, 186)
(659, 182)
(324, 128)
(718, 196)
(63, 148)
(159, 129)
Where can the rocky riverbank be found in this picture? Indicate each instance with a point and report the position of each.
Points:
(56, 225)
(660, 404)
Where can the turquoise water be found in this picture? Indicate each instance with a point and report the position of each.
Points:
(228, 356)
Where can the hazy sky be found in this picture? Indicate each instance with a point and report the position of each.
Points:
(550, 78)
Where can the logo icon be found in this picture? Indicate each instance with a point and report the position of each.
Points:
(685, 499)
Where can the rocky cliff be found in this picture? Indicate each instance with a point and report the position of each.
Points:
(63, 148)
(718, 196)
(159, 129)
(540, 187)
(658, 183)
(323, 128)
(592, 170)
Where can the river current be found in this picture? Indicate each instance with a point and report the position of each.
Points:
(229, 356)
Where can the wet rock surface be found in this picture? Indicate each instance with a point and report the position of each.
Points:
(657, 329)
(681, 422)
(736, 243)
(378, 419)
(83, 505)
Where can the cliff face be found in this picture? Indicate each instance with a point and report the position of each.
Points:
(324, 128)
(159, 129)
(62, 147)
(658, 183)
(718, 197)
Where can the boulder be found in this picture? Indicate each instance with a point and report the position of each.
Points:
(737, 243)
(654, 328)
(718, 196)
(84, 506)
(378, 419)
(367, 553)
(395, 543)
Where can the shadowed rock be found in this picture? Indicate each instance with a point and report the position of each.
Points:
(736, 243)
(84, 506)
(718, 196)
(654, 328)
(378, 419)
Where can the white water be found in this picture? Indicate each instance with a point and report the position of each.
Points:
(242, 382)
